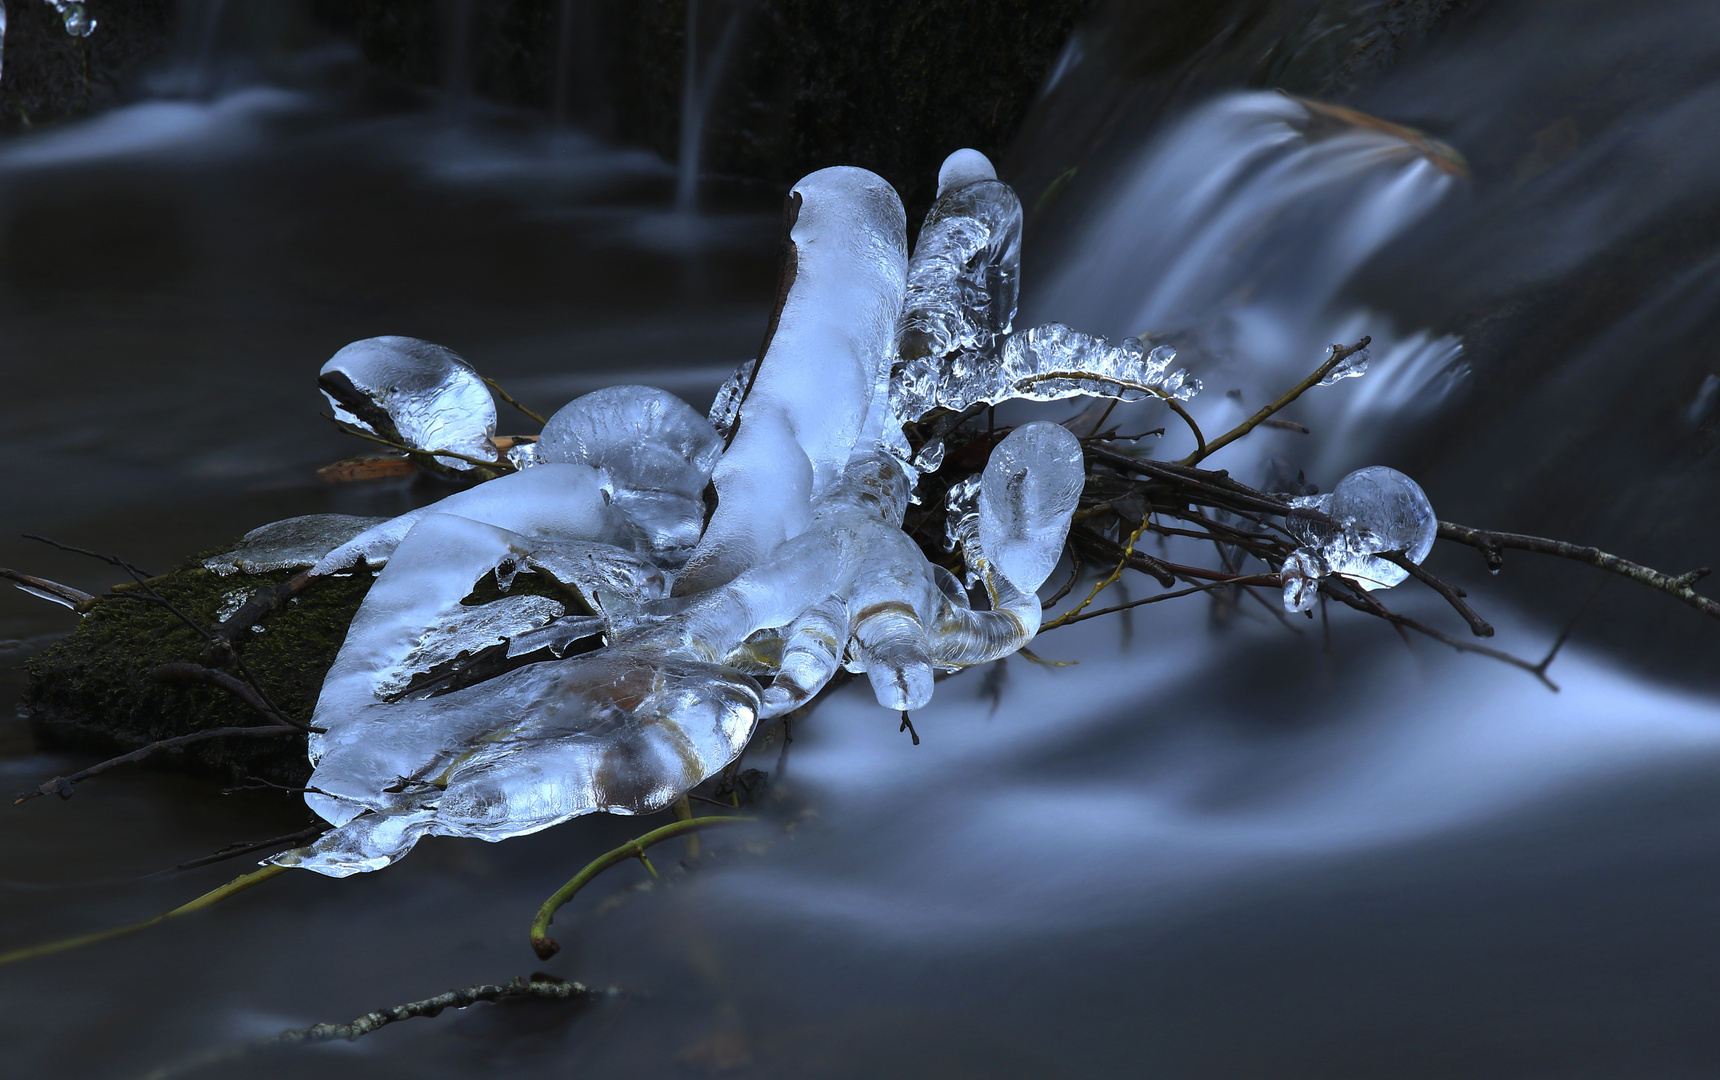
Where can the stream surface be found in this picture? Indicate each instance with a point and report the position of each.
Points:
(1215, 847)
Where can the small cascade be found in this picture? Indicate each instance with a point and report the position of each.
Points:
(697, 92)
(208, 41)
(1235, 233)
(457, 18)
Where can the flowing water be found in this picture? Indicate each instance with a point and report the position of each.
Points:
(1215, 847)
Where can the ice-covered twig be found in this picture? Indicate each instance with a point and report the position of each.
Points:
(1340, 354)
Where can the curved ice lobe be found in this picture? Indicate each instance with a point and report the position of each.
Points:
(619, 730)
(558, 500)
(965, 274)
(613, 731)
(1371, 510)
(828, 359)
(413, 392)
(289, 544)
(654, 450)
(1027, 493)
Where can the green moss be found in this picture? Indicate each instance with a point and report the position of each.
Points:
(93, 689)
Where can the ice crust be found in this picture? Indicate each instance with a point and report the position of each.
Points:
(1045, 363)
(290, 544)
(419, 393)
(679, 633)
(1371, 510)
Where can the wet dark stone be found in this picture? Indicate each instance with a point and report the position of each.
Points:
(49, 75)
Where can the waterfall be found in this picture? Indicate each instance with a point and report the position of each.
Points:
(1234, 234)
(696, 94)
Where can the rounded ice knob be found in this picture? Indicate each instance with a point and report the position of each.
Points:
(417, 392)
(962, 168)
(1388, 512)
(1029, 489)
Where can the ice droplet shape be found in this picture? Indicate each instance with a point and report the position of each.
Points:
(1372, 510)
(73, 15)
(1027, 493)
(414, 392)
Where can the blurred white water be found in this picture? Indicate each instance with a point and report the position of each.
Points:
(1175, 764)
(1233, 235)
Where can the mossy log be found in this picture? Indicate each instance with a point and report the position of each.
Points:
(93, 690)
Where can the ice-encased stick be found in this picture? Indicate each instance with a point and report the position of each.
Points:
(1029, 489)
(964, 276)
(617, 730)
(433, 569)
(414, 392)
(553, 501)
(1371, 510)
(1015, 515)
(824, 364)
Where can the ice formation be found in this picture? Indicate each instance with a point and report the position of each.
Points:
(415, 393)
(290, 544)
(663, 628)
(654, 451)
(1372, 510)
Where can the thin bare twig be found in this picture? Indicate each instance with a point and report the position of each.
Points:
(1340, 353)
(1453, 595)
(1492, 545)
(509, 398)
(223, 681)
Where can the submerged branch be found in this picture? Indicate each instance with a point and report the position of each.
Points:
(539, 987)
(63, 785)
(546, 946)
(208, 899)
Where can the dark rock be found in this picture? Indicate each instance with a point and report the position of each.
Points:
(890, 85)
(49, 75)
